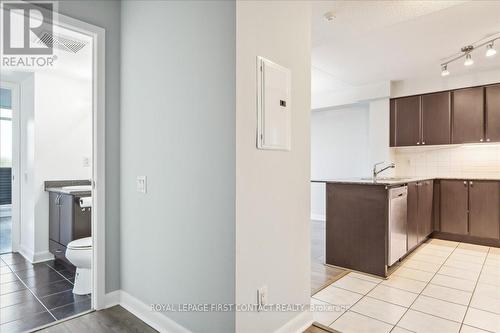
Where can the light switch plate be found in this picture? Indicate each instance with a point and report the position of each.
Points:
(142, 184)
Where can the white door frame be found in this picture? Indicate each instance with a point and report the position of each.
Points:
(16, 144)
(98, 153)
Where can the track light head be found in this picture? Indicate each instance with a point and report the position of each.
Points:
(444, 70)
(468, 60)
(490, 51)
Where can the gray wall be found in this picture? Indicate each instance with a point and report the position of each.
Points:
(178, 129)
(106, 14)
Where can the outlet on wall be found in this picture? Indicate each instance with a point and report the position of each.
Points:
(86, 162)
(262, 296)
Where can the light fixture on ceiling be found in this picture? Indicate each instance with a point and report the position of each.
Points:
(466, 52)
(490, 51)
(468, 60)
(329, 16)
(444, 70)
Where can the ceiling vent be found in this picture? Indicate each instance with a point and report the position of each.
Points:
(61, 42)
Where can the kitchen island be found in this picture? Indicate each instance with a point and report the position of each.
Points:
(371, 225)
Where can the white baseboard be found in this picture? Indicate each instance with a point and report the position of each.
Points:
(37, 257)
(112, 299)
(298, 324)
(141, 310)
(318, 217)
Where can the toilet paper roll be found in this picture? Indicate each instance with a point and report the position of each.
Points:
(86, 202)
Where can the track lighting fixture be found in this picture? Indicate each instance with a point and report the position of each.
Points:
(466, 52)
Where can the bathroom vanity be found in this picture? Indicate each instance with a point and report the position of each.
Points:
(67, 219)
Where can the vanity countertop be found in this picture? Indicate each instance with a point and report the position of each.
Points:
(79, 188)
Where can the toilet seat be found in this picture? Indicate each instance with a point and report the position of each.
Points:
(81, 244)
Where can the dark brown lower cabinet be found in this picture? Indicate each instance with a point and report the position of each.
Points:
(484, 202)
(419, 217)
(412, 216)
(454, 207)
(425, 200)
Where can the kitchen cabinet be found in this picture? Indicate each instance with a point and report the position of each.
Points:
(436, 118)
(454, 207)
(419, 217)
(484, 210)
(468, 115)
(492, 94)
(412, 216)
(407, 121)
(425, 201)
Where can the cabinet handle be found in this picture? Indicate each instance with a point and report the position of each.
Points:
(471, 183)
(465, 183)
(418, 142)
(481, 140)
(423, 142)
(488, 140)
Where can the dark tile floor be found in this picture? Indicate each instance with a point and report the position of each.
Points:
(33, 295)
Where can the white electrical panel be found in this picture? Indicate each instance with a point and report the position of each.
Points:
(273, 106)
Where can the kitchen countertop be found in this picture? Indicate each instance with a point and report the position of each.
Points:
(396, 181)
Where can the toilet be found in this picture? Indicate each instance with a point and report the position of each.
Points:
(79, 253)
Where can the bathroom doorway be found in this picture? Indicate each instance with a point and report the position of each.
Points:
(9, 163)
(57, 274)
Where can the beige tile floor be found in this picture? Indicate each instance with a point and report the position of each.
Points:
(442, 287)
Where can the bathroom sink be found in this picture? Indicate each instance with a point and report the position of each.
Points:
(77, 188)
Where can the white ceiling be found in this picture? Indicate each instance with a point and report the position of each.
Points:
(372, 41)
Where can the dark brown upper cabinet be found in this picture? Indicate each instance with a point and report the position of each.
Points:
(407, 121)
(436, 118)
(468, 115)
(492, 113)
(484, 210)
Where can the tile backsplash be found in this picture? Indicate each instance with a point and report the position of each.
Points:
(475, 160)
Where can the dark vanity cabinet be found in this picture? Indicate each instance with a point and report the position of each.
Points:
(67, 221)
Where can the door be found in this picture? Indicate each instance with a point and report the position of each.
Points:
(9, 166)
(468, 115)
(454, 206)
(493, 113)
(484, 219)
(425, 199)
(412, 219)
(407, 121)
(436, 119)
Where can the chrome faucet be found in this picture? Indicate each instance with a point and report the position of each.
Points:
(376, 173)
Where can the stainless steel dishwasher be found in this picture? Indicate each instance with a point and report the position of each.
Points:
(397, 239)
